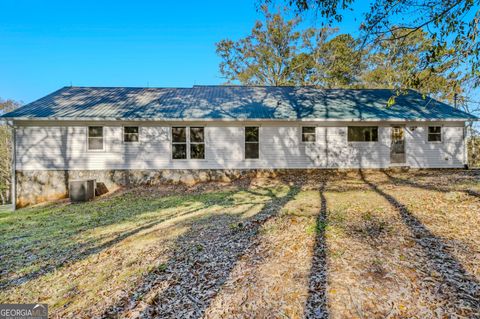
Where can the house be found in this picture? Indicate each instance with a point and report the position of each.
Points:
(147, 135)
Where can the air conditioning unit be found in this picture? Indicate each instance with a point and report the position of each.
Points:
(81, 190)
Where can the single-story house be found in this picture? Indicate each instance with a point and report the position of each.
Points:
(124, 135)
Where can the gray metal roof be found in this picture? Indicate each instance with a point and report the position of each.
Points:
(233, 102)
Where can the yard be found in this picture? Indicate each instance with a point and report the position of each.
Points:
(325, 244)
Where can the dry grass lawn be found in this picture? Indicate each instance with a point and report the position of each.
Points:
(321, 244)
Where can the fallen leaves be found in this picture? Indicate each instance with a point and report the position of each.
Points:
(378, 245)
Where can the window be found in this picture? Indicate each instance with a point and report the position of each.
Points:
(434, 133)
(251, 142)
(179, 142)
(197, 143)
(363, 134)
(95, 138)
(130, 134)
(188, 142)
(308, 134)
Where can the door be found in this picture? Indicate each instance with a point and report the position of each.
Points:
(397, 149)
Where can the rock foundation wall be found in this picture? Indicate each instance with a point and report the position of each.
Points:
(45, 185)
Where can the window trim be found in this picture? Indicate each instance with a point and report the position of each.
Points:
(441, 134)
(88, 138)
(301, 134)
(188, 143)
(245, 142)
(378, 137)
(123, 134)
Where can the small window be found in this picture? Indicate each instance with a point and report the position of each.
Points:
(251, 142)
(130, 134)
(308, 134)
(434, 133)
(179, 142)
(95, 138)
(363, 134)
(197, 143)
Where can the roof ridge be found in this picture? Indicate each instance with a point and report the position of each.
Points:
(125, 87)
(227, 86)
(289, 86)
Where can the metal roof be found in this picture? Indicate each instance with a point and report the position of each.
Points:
(234, 103)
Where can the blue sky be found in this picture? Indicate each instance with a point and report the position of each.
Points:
(45, 45)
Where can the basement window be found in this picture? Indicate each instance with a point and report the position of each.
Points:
(434, 133)
(130, 134)
(95, 138)
(308, 134)
(252, 142)
(363, 133)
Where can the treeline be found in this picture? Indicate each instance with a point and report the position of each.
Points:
(279, 52)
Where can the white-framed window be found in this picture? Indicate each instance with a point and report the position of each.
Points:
(362, 134)
(131, 134)
(197, 142)
(188, 142)
(95, 138)
(434, 134)
(179, 142)
(252, 142)
(308, 134)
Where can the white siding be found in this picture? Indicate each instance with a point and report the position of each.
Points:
(448, 153)
(57, 146)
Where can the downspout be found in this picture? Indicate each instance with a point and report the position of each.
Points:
(13, 184)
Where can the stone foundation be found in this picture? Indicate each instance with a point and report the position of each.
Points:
(39, 186)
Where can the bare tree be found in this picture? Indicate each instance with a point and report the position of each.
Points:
(6, 152)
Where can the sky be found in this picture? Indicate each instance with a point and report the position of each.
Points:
(45, 45)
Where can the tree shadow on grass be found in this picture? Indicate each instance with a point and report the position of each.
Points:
(52, 233)
(437, 188)
(316, 306)
(459, 286)
(199, 265)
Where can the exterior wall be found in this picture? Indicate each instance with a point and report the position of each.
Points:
(446, 154)
(49, 154)
(62, 146)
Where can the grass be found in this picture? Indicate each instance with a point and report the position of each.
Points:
(374, 244)
(57, 253)
(49, 235)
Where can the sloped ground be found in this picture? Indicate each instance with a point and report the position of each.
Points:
(324, 244)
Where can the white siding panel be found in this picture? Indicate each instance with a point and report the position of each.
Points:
(448, 153)
(63, 147)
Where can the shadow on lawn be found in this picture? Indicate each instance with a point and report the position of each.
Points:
(63, 226)
(316, 306)
(397, 180)
(459, 286)
(199, 265)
